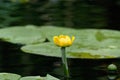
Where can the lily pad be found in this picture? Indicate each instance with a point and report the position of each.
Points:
(50, 31)
(89, 43)
(9, 76)
(98, 38)
(32, 78)
(47, 77)
(74, 51)
(89, 37)
(22, 34)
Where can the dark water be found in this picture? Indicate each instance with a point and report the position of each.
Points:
(15, 61)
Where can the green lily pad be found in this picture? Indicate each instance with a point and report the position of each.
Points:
(32, 78)
(89, 43)
(98, 38)
(89, 37)
(74, 51)
(81, 35)
(22, 34)
(47, 77)
(50, 31)
(9, 76)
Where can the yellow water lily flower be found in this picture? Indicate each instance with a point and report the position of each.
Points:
(63, 40)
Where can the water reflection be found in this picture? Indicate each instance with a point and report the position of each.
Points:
(81, 69)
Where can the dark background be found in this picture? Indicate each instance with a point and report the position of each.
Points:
(65, 13)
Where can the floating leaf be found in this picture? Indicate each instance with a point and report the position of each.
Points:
(51, 31)
(9, 76)
(92, 38)
(32, 78)
(47, 77)
(49, 49)
(86, 44)
(23, 35)
(88, 37)
(80, 34)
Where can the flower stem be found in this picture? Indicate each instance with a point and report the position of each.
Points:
(64, 61)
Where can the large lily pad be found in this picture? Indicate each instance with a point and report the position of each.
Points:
(50, 31)
(89, 43)
(86, 36)
(9, 76)
(49, 49)
(22, 34)
(98, 38)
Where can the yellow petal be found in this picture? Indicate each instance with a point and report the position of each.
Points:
(62, 42)
(56, 40)
(73, 38)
